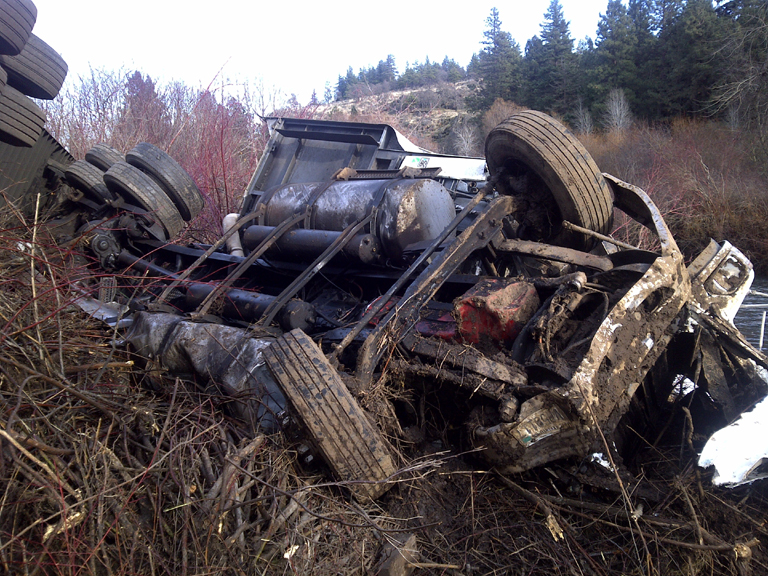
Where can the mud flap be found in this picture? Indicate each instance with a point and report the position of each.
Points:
(352, 446)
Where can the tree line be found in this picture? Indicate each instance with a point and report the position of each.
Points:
(655, 59)
(384, 77)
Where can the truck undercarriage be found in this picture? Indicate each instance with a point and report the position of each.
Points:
(359, 261)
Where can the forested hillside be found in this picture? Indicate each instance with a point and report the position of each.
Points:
(658, 58)
(672, 95)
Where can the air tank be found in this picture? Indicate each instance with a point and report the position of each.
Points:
(410, 210)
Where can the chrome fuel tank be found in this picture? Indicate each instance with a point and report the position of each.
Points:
(409, 210)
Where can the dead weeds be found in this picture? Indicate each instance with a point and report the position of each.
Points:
(108, 470)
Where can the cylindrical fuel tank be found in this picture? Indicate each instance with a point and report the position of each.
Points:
(411, 210)
(304, 243)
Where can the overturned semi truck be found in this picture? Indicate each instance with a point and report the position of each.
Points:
(359, 260)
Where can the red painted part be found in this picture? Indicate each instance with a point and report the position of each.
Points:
(495, 310)
(440, 324)
(383, 312)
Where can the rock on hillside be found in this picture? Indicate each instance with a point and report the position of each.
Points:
(434, 117)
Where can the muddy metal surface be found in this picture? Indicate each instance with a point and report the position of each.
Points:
(344, 292)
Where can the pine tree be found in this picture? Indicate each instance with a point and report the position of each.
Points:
(499, 65)
(473, 68)
(551, 65)
(391, 67)
(616, 45)
(341, 88)
(452, 70)
(643, 86)
(687, 67)
(351, 83)
(664, 13)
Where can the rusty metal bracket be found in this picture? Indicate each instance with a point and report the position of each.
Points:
(557, 253)
(203, 257)
(406, 312)
(310, 271)
(271, 238)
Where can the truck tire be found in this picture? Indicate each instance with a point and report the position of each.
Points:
(170, 176)
(85, 177)
(17, 18)
(103, 156)
(125, 180)
(37, 71)
(351, 445)
(21, 120)
(531, 146)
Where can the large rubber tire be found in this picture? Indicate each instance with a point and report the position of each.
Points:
(170, 176)
(103, 156)
(89, 180)
(351, 445)
(533, 146)
(17, 18)
(21, 120)
(125, 180)
(38, 71)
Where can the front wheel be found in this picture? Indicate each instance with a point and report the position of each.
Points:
(534, 156)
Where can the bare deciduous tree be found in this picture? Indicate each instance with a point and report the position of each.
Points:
(617, 117)
(584, 124)
(464, 138)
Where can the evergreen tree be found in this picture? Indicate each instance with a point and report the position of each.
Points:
(640, 13)
(499, 65)
(391, 68)
(452, 70)
(473, 68)
(688, 68)
(351, 82)
(552, 66)
(536, 83)
(664, 12)
(616, 46)
(643, 87)
(341, 88)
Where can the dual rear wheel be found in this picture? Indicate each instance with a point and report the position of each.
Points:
(145, 176)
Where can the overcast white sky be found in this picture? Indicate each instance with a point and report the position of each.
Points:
(297, 46)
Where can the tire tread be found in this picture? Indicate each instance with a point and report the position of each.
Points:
(124, 179)
(352, 446)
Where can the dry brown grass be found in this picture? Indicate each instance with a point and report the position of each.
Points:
(701, 175)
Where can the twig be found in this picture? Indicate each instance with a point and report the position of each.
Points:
(43, 465)
(552, 524)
